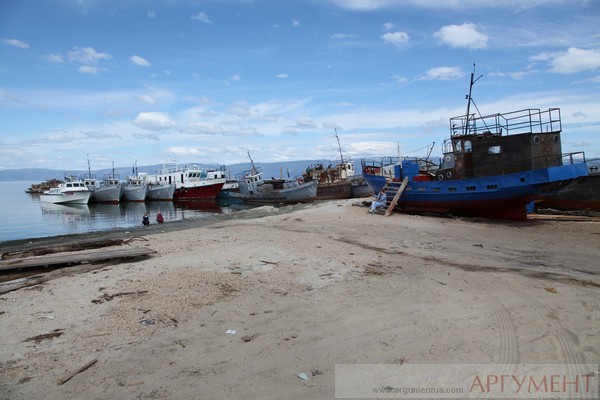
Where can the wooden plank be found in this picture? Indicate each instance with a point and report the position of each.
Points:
(58, 259)
(396, 197)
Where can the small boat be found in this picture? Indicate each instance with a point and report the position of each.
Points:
(191, 182)
(336, 181)
(492, 166)
(254, 189)
(71, 191)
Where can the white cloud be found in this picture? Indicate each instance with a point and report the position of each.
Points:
(444, 74)
(388, 26)
(88, 69)
(202, 17)
(151, 14)
(395, 38)
(282, 76)
(295, 23)
(575, 60)
(87, 55)
(153, 121)
(465, 35)
(139, 61)
(15, 43)
(54, 58)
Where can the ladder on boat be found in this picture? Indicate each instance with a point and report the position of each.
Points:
(396, 197)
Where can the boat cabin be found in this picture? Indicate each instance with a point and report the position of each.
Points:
(498, 144)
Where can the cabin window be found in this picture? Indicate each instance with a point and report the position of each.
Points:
(492, 187)
(457, 146)
(494, 149)
(468, 147)
(471, 188)
(452, 189)
(437, 189)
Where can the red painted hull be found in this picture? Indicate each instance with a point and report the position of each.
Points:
(205, 192)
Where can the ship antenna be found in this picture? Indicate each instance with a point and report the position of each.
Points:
(469, 97)
(339, 146)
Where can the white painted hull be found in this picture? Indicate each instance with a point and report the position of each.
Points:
(80, 197)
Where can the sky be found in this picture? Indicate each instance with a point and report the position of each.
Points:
(209, 81)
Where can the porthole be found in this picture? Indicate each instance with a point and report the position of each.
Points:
(537, 140)
(556, 138)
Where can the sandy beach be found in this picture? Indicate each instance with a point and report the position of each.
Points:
(239, 307)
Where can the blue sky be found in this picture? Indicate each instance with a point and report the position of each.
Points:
(207, 81)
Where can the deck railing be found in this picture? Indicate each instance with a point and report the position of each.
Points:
(530, 120)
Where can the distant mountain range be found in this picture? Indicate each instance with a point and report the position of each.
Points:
(279, 169)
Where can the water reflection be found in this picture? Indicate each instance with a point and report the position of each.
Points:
(96, 216)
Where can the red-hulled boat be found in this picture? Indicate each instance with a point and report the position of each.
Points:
(191, 182)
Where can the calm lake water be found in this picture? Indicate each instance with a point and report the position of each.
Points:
(25, 217)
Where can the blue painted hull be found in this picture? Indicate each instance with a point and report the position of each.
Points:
(499, 196)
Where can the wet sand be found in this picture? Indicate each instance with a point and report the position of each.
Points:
(304, 288)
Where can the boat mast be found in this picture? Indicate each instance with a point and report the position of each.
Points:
(469, 98)
(339, 146)
(251, 163)
(89, 169)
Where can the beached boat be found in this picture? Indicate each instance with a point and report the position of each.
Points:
(492, 166)
(337, 180)
(333, 181)
(360, 188)
(70, 192)
(135, 189)
(253, 188)
(584, 194)
(191, 182)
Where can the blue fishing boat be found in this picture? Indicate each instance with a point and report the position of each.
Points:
(492, 166)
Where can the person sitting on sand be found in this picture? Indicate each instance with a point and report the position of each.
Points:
(380, 201)
(145, 220)
(159, 218)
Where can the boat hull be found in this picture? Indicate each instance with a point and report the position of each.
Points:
(135, 193)
(205, 191)
(302, 193)
(79, 197)
(160, 193)
(580, 195)
(109, 195)
(331, 191)
(497, 197)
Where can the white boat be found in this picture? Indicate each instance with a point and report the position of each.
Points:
(70, 192)
(135, 189)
